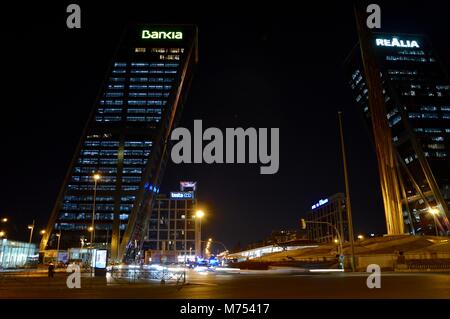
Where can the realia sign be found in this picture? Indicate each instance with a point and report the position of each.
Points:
(162, 35)
(395, 42)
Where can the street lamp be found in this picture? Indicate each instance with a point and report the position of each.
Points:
(31, 228)
(42, 232)
(360, 237)
(303, 223)
(199, 214)
(435, 212)
(210, 241)
(207, 248)
(96, 177)
(3, 233)
(57, 247)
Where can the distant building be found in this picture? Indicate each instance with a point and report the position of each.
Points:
(14, 254)
(325, 214)
(171, 230)
(284, 236)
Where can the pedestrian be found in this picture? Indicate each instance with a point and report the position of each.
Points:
(51, 270)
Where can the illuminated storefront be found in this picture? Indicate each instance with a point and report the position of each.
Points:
(14, 254)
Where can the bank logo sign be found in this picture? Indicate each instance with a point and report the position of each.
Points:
(162, 35)
(395, 42)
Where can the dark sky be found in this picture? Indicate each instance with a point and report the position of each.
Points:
(275, 65)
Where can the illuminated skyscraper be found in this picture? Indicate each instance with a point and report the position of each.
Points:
(415, 103)
(126, 141)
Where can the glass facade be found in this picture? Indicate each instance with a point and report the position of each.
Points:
(125, 140)
(417, 100)
(171, 230)
(332, 211)
(15, 254)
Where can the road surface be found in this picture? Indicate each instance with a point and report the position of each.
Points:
(258, 284)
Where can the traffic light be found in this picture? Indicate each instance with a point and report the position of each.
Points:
(303, 223)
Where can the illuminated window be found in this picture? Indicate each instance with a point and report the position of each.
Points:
(139, 64)
(113, 94)
(132, 170)
(126, 207)
(139, 71)
(436, 146)
(159, 50)
(433, 130)
(112, 118)
(111, 102)
(117, 79)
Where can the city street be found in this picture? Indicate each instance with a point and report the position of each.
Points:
(247, 284)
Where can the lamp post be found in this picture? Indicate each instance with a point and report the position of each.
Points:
(57, 247)
(42, 233)
(435, 213)
(96, 177)
(31, 228)
(118, 240)
(341, 249)
(220, 243)
(2, 232)
(210, 242)
(199, 214)
(347, 194)
(208, 248)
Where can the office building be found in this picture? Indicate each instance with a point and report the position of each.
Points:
(171, 231)
(325, 217)
(401, 87)
(117, 168)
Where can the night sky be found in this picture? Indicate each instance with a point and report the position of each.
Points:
(260, 66)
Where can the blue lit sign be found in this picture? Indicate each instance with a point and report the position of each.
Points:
(182, 195)
(320, 203)
(151, 188)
